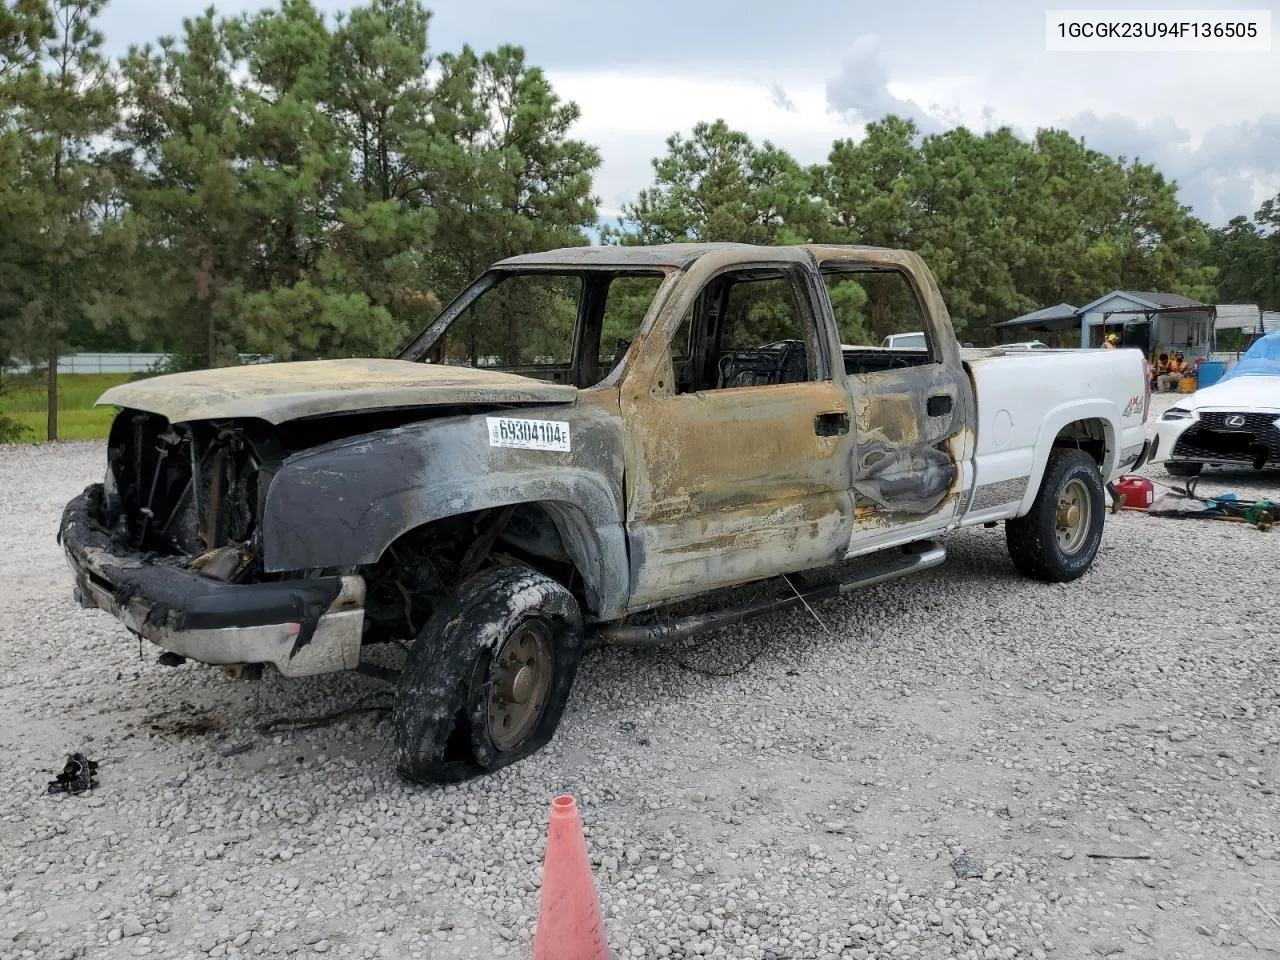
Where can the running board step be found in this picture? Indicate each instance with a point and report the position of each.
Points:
(912, 558)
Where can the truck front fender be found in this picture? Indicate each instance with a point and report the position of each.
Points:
(1055, 421)
(344, 503)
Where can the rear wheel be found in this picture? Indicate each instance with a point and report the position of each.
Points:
(1182, 468)
(1058, 539)
(487, 681)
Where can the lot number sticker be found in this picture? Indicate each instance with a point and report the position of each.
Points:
(528, 434)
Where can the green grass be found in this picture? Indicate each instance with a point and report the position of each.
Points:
(24, 400)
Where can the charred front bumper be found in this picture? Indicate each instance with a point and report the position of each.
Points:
(302, 626)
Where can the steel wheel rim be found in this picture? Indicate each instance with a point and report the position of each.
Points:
(1074, 516)
(519, 681)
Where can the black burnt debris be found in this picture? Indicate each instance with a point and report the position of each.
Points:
(77, 776)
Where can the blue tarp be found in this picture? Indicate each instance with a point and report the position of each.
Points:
(1260, 360)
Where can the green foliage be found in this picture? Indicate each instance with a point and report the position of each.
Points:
(1247, 254)
(183, 188)
(306, 322)
(58, 101)
(287, 183)
(717, 185)
(11, 429)
(628, 301)
(848, 303)
(317, 206)
(23, 406)
(1006, 225)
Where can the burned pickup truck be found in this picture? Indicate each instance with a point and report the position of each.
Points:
(588, 445)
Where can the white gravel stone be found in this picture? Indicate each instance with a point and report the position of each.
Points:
(807, 806)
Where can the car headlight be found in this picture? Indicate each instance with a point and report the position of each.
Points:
(1176, 413)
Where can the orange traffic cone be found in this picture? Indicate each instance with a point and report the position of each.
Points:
(569, 912)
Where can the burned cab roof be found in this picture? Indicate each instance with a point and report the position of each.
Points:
(678, 255)
(659, 256)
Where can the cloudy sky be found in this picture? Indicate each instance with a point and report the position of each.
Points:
(802, 75)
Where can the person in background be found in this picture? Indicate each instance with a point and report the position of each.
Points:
(1112, 341)
(1177, 370)
(1160, 369)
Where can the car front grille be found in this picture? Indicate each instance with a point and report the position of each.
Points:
(1254, 422)
(1213, 438)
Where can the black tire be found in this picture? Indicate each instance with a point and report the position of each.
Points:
(1182, 468)
(442, 709)
(1033, 540)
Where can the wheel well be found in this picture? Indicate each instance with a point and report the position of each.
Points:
(423, 565)
(1088, 435)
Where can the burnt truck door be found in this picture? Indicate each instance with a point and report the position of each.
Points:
(737, 430)
(913, 408)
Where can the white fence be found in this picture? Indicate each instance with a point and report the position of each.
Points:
(115, 362)
(102, 363)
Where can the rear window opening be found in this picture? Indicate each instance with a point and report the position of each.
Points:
(882, 323)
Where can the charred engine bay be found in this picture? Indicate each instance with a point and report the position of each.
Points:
(194, 492)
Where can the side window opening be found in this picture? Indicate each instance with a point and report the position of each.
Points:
(626, 302)
(882, 323)
(746, 328)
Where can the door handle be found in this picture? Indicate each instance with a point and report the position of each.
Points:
(831, 424)
(939, 405)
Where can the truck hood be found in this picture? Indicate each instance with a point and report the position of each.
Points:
(278, 392)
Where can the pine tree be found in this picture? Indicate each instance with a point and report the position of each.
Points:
(61, 115)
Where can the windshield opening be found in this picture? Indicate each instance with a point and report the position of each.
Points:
(571, 327)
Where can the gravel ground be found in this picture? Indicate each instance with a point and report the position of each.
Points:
(772, 792)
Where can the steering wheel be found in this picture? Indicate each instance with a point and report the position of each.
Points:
(619, 351)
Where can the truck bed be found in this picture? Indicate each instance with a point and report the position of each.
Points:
(1025, 397)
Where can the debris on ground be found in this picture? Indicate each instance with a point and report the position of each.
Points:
(1115, 715)
(1227, 506)
(77, 776)
(967, 867)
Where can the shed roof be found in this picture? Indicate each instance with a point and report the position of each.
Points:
(1062, 316)
(1148, 300)
(1162, 299)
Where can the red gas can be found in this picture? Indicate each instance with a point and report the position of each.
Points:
(1137, 491)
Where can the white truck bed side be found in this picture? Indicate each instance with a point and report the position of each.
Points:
(1024, 399)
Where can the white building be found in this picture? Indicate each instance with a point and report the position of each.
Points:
(1154, 322)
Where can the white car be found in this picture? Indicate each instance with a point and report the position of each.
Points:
(904, 341)
(1235, 421)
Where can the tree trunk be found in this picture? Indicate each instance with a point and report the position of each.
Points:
(205, 281)
(53, 386)
(212, 330)
(54, 305)
(384, 159)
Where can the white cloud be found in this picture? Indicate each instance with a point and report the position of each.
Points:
(778, 97)
(644, 71)
(861, 88)
(1227, 171)
(629, 116)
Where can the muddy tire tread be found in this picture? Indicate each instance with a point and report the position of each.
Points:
(435, 692)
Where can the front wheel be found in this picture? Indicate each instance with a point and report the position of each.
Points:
(1058, 539)
(488, 678)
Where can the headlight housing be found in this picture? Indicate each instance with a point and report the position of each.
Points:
(1176, 413)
